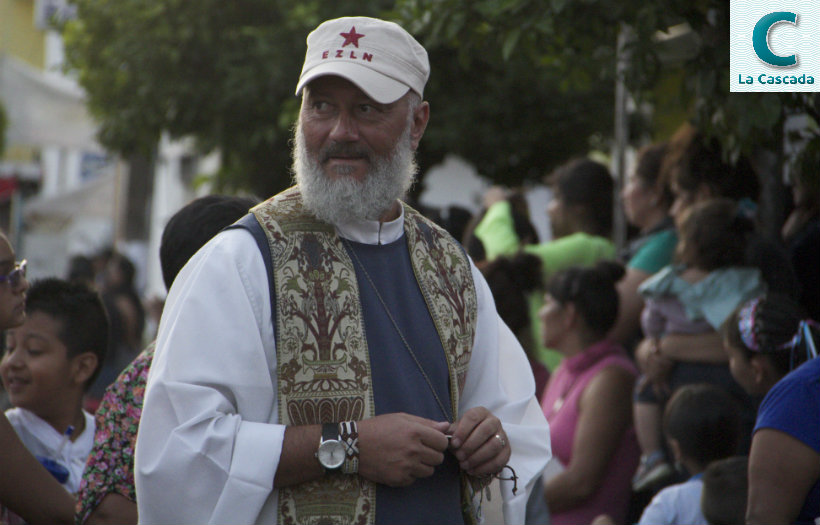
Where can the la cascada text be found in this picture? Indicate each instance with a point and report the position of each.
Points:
(765, 78)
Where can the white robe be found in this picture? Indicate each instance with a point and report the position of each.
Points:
(209, 443)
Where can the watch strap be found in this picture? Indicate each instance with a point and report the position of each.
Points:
(349, 435)
(330, 432)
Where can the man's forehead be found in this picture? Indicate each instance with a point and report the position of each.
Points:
(333, 85)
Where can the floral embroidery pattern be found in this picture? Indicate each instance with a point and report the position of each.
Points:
(321, 347)
(110, 466)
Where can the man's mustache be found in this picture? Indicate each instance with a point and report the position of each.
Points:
(337, 149)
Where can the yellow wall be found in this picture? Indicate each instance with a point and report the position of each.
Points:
(18, 36)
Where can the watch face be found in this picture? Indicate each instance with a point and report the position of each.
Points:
(331, 454)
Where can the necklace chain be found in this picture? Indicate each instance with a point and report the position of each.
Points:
(398, 330)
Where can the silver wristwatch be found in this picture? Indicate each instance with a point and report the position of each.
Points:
(331, 453)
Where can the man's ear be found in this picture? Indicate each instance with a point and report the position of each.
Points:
(421, 115)
(83, 366)
(674, 448)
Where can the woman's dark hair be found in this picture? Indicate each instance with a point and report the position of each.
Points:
(648, 170)
(592, 291)
(589, 186)
(692, 160)
(704, 420)
(713, 234)
(510, 279)
(767, 326)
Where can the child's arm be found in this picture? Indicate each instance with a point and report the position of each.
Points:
(26, 487)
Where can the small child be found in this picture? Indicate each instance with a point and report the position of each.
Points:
(694, 296)
(49, 362)
(725, 491)
(701, 424)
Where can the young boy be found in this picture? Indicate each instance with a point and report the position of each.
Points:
(49, 362)
(701, 425)
(725, 491)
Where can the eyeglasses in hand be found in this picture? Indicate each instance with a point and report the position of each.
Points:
(16, 276)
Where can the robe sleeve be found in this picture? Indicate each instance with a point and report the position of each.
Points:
(215, 359)
(500, 379)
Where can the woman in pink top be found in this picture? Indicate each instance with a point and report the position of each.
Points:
(588, 400)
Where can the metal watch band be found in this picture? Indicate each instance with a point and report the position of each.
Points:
(349, 435)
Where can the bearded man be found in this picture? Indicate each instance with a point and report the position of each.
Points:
(358, 372)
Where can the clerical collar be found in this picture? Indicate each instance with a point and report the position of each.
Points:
(373, 232)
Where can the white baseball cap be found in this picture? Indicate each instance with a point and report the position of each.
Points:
(380, 57)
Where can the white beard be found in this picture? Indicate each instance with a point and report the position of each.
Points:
(345, 199)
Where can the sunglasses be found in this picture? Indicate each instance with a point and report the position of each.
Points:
(16, 276)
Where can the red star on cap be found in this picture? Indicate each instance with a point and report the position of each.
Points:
(352, 37)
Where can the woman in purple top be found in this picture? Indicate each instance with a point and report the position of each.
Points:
(588, 398)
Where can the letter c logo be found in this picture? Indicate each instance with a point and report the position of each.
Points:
(760, 38)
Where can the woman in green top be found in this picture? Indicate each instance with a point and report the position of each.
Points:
(646, 201)
(580, 214)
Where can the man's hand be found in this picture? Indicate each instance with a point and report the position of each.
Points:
(397, 449)
(480, 443)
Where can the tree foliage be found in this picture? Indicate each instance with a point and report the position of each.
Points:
(579, 40)
(222, 72)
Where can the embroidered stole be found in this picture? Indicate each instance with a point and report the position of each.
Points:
(321, 347)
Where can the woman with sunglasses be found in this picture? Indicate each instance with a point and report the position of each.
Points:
(26, 488)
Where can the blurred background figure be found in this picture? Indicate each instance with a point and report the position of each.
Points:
(801, 231)
(81, 270)
(510, 280)
(580, 214)
(646, 201)
(126, 315)
(725, 491)
(701, 425)
(588, 400)
(767, 340)
(693, 296)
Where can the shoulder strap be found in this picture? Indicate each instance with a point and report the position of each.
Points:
(252, 226)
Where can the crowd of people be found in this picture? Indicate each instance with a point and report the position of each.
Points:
(332, 355)
(696, 275)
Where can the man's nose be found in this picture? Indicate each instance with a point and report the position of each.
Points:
(345, 128)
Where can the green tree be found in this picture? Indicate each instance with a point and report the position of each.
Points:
(578, 39)
(221, 72)
(224, 73)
